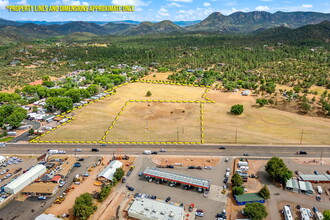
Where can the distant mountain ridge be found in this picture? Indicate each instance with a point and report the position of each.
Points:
(236, 23)
(246, 22)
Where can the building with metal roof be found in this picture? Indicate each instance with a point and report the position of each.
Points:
(306, 187)
(292, 185)
(41, 189)
(108, 172)
(2, 159)
(315, 178)
(248, 198)
(25, 179)
(149, 209)
(179, 178)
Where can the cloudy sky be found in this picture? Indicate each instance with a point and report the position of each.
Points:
(156, 10)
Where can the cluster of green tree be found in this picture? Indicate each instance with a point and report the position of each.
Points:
(237, 183)
(61, 103)
(12, 114)
(9, 97)
(277, 170)
(105, 191)
(109, 80)
(255, 211)
(119, 174)
(84, 206)
(325, 101)
(326, 214)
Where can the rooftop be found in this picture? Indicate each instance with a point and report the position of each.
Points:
(312, 177)
(153, 209)
(154, 172)
(248, 197)
(110, 170)
(41, 188)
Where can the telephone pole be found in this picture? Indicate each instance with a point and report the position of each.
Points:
(302, 134)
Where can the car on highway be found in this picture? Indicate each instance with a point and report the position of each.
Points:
(129, 188)
(301, 152)
(77, 150)
(246, 154)
(167, 199)
(62, 183)
(316, 172)
(154, 152)
(162, 150)
(61, 152)
(147, 152)
(191, 167)
(222, 148)
(95, 150)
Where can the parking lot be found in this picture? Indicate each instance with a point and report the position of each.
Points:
(214, 203)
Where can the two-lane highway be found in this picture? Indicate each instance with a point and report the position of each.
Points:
(202, 150)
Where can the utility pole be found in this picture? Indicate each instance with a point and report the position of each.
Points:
(302, 134)
(321, 157)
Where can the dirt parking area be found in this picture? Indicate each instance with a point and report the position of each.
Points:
(186, 161)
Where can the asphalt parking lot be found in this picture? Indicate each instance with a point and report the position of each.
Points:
(211, 205)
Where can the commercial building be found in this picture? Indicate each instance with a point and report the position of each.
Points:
(178, 178)
(292, 185)
(41, 189)
(315, 178)
(306, 187)
(248, 198)
(108, 172)
(25, 179)
(149, 209)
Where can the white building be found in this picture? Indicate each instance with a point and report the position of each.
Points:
(108, 172)
(25, 179)
(149, 209)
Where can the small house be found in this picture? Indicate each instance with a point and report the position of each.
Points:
(248, 198)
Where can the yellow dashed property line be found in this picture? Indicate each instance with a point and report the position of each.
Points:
(202, 122)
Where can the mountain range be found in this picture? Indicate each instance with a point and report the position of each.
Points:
(236, 23)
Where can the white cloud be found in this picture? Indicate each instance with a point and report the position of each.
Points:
(22, 2)
(180, 0)
(233, 10)
(163, 12)
(129, 2)
(206, 4)
(306, 6)
(262, 8)
(3, 4)
(70, 2)
(173, 4)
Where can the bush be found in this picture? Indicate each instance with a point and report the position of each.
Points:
(262, 102)
(264, 192)
(236, 180)
(148, 94)
(237, 109)
(105, 191)
(119, 173)
(255, 211)
(238, 190)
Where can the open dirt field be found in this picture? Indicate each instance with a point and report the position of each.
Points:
(186, 161)
(158, 76)
(180, 122)
(259, 125)
(158, 122)
(92, 121)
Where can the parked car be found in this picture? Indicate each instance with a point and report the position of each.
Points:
(129, 188)
(77, 164)
(191, 167)
(316, 172)
(315, 209)
(199, 213)
(225, 180)
(167, 199)
(318, 198)
(81, 159)
(62, 183)
(170, 166)
(42, 198)
(199, 168)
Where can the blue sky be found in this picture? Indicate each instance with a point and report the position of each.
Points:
(157, 10)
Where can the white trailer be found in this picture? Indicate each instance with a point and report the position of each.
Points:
(243, 163)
